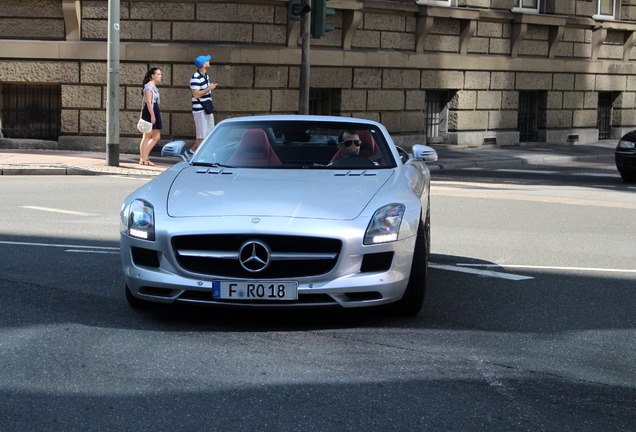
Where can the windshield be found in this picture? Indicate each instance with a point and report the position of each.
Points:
(295, 144)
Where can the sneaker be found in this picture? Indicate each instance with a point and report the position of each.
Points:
(189, 153)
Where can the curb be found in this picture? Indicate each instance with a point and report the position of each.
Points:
(70, 170)
(494, 162)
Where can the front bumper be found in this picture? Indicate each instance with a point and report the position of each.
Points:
(362, 275)
(626, 161)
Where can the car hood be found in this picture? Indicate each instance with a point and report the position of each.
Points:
(322, 194)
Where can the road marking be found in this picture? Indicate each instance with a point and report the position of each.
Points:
(536, 267)
(52, 210)
(487, 273)
(607, 175)
(93, 251)
(510, 170)
(70, 248)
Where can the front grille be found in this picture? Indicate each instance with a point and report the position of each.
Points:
(218, 255)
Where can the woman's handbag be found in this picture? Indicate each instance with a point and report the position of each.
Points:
(144, 126)
(208, 106)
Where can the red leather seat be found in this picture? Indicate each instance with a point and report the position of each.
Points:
(368, 148)
(254, 149)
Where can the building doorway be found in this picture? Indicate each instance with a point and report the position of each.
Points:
(528, 114)
(436, 114)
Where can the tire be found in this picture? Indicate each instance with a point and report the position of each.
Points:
(413, 299)
(628, 177)
(133, 301)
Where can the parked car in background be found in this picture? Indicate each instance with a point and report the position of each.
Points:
(625, 156)
(267, 213)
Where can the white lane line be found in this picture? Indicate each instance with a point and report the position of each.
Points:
(600, 175)
(93, 251)
(487, 273)
(53, 210)
(533, 267)
(510, 170)
(71, 248)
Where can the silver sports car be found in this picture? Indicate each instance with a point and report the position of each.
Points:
(283, 211)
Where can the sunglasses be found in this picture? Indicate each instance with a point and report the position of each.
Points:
(347, 143)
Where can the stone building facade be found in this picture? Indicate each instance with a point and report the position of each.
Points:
(467, 72)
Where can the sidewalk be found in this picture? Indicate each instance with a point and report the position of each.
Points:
(599, 154)
(54, 162)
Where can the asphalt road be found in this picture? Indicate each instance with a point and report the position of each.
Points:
(529, 324)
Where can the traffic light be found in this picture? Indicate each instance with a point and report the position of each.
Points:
(297, 9)
(319, 14)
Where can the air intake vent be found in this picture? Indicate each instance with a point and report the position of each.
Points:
(145, 257)
(376, 262)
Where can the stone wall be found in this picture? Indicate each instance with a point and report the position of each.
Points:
(31, 20)
(380, 61)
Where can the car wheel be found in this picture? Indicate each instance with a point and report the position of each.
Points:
(628, 177)
(133, 301)
(413, 299)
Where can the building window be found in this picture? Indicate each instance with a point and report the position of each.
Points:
(31, 111)
(436, 113)
(446, 3)
(526, 6)
(605, 9)
(604, 116)
(528, 116)
(320, 100)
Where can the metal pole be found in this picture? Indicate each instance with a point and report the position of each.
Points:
(112, 100)
(305, 66)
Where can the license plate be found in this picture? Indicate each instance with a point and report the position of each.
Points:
(247, 290)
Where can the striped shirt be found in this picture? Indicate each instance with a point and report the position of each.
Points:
(199, 82)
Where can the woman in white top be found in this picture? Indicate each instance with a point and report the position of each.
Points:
(150, 113)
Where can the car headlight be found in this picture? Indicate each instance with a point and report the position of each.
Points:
(626, 145)
(139, 219)
(385, 224)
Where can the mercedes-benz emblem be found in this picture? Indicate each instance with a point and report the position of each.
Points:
(254, 256)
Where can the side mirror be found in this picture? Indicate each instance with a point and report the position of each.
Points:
(425, 153)
(174, 149)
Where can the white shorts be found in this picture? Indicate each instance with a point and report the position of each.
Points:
(203, 122)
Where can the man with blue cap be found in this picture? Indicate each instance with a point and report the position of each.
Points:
(201, 96)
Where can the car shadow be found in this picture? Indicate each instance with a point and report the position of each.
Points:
(538, 300)
(41, 286)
